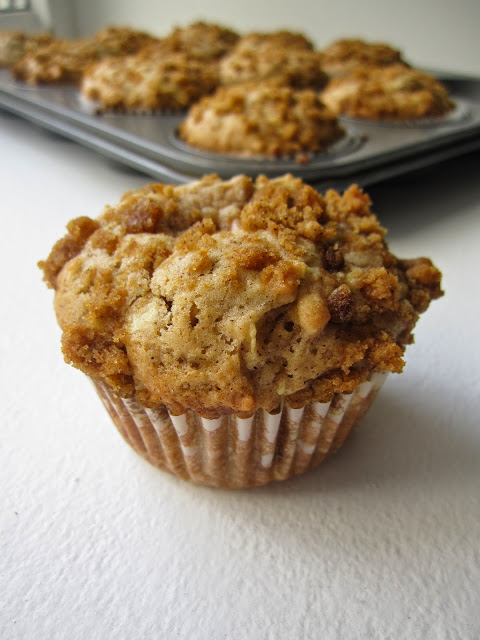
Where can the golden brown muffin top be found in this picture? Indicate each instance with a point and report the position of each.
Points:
(394, 93)
(228, 296)
(252, 119)
(346, 54)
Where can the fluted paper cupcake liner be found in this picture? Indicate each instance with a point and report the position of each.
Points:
(233, 452)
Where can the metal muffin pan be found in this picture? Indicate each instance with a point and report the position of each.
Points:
(370, 151)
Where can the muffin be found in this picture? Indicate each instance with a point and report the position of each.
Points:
(64, 61)
(15, 44)
(260, 119)
(148, 81)
(394, 93)
(282, 39)
(345, 55)
(203, 40)
(121, 41)
(236, 330)
(294, 67)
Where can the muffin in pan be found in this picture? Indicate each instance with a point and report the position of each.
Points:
(64, 61)
(393, 93)
(236, 330)
(120, 41)
(148, 81)
(15, 44)
(294, 67)
(345, 55)
(282, 39)
(60, 62)
(203, 40)
(261, 119)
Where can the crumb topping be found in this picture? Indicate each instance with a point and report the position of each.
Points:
(260, 119)
(228, 296)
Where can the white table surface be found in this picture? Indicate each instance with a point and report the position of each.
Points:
(383, 541)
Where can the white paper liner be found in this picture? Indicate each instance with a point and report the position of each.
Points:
(234, 452)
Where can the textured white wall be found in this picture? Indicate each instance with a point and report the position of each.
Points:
(433, 33)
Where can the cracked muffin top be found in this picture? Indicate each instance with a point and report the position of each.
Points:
(395, 93)
(228, 296)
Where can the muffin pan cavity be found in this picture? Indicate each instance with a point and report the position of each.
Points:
(370, 151)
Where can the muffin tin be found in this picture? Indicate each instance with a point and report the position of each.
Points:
(369, 153)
